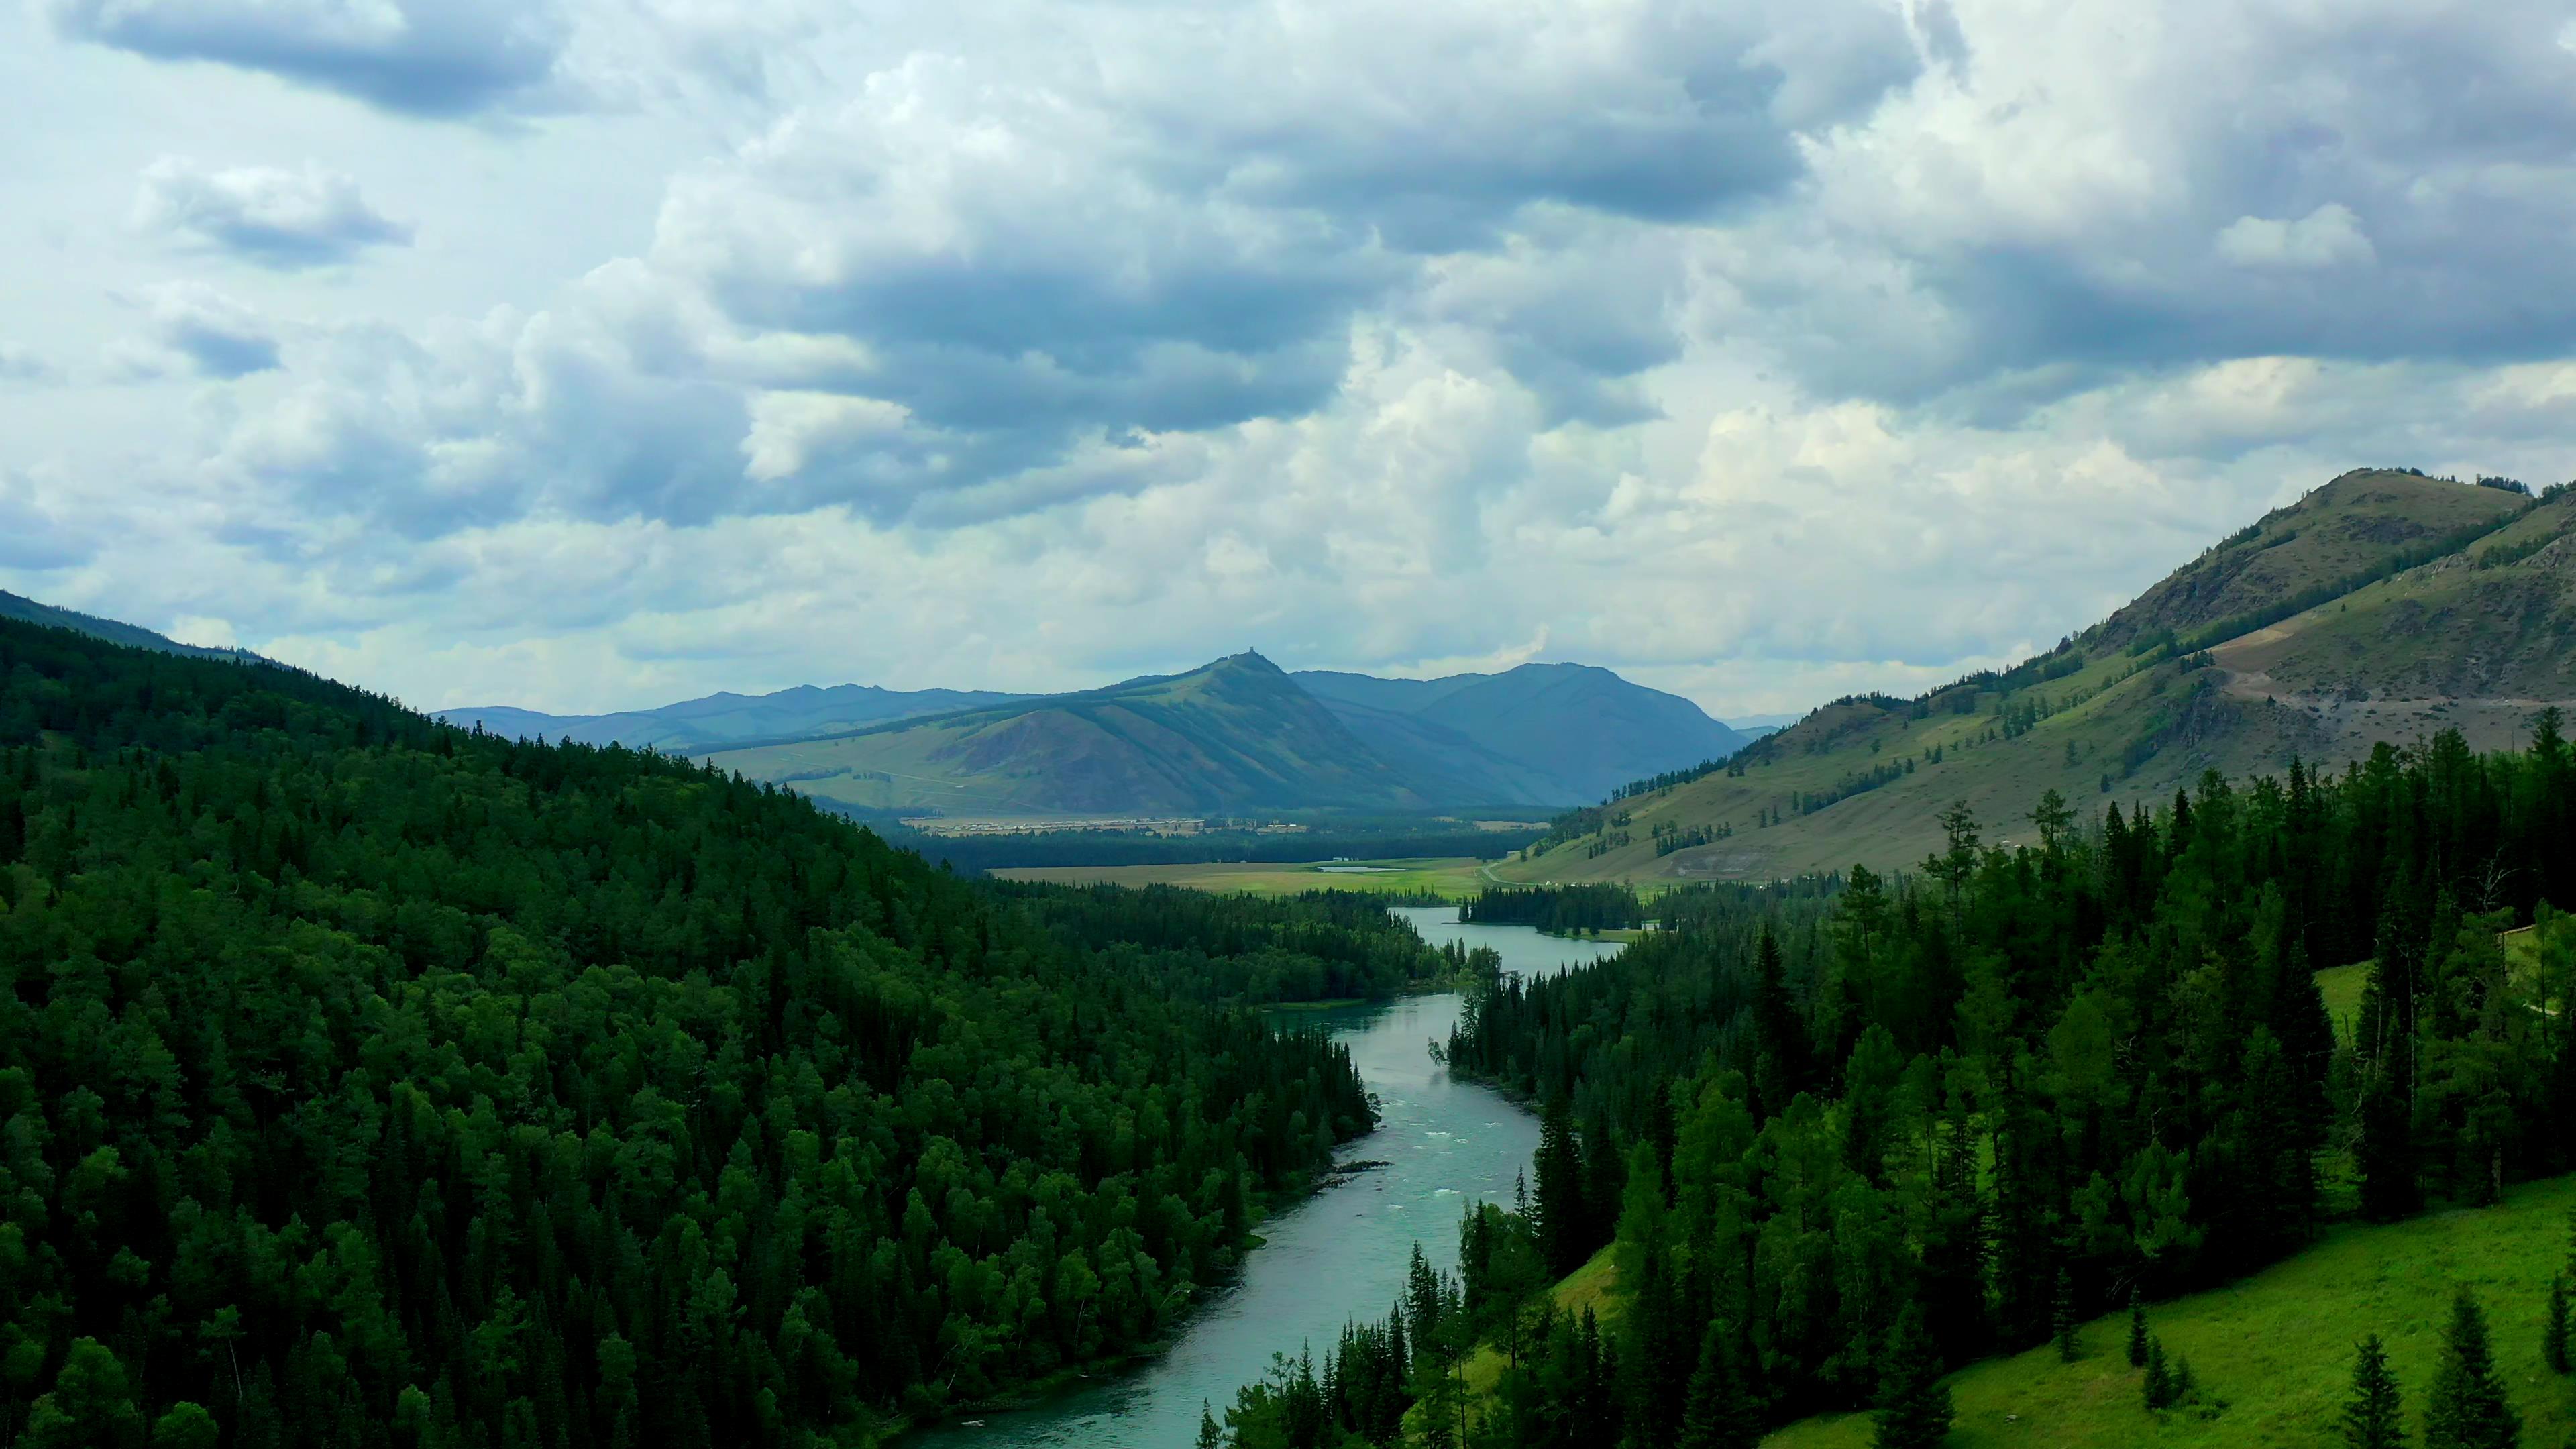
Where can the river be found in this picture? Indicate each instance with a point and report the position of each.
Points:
(1340, 1254)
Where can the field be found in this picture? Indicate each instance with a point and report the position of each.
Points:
(1450, 878)
(2277, 1348)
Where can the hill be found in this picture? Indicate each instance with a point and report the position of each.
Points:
(2278, 1347)
(1578, 731)
(441, 1089)
(1231, 737)
(132, 636)
(721, 719)
(2382, 606)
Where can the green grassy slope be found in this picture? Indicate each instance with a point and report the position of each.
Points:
(2277, 1348)
(2445, 642)
(1233, 736)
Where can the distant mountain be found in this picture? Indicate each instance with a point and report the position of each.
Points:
(718, 720)
(1578, 731)
(1232, 737)
(2383, 606)
(114, 632)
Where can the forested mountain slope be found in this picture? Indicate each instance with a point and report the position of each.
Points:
(1834, 1142)
(114, 631)
(368, 1081)
(1234, 736)
(2382, 606)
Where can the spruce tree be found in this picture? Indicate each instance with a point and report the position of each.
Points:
(1210, 1437)
(2137, 1331)
(1913, 1403)
(2468, 1408)
(2158, 1386)
(2063, 1319)
(2373, 1417)
(2553, 1328)
(1720, 1415)
(1564, 1228)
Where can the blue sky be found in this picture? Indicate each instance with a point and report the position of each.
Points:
(587, 354)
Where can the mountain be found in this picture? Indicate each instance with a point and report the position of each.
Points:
(1579, 731)
(1234, 736)
(2383, 606)
(719, 720)
(131, 635)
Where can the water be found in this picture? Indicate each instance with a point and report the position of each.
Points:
(1340, 1254)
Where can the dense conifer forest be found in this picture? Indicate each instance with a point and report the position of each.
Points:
(365, 1081)
(1837, 1143)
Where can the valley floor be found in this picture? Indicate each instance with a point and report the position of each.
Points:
(1449, 879)
(2277, 1349)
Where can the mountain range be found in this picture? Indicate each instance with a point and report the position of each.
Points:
(1241, 735)
(2384, 606)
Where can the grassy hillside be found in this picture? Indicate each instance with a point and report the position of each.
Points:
(1236, 735)
(1580, 731)
(2381, 606)
(2277, 1348)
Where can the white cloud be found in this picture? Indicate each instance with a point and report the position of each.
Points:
(262, 214)
(2330, 236)
(1766, 350)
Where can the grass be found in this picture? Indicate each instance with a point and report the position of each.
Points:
(2277, 1348)
(2341, 987)
(1586, 1287)
(1452, 878)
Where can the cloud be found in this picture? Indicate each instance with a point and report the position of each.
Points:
(19, 365)
(197, 327)
(270, 217)
(2329, 236)
(33, 536)
(434, 58)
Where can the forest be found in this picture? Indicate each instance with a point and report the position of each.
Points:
(371, 1082)
(1837, 1141)
(1558, 910)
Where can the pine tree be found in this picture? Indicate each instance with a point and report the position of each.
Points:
(1564, 1227)
(2468, 1408)
(2159, 1385)
(1913, 1403)
(2186, 1384)
(2553, 1328)
(2373, 1417)
(1210, 1437)
(2137, 1331)
(1720, 1415)
(2063, 1319)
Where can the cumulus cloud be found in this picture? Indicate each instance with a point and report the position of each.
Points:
(2329, 236)
(33, 536)
(439, 58)
(197, 327)
(263, 214)
(1765, 349)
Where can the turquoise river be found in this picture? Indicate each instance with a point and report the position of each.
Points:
(1338, 1255)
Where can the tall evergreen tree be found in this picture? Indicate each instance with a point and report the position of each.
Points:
(2062, 1318)
(2468, 1409)
(1564, 1225)
(1721, 1415)
(1913, 1404)
(2138, 1337)
(2373, 1418)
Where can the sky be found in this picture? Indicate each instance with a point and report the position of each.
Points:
(593, 354)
